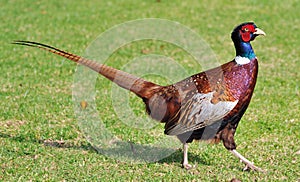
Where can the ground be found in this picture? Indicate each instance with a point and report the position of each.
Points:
(40, 136)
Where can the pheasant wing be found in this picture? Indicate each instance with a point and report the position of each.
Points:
(199, 112)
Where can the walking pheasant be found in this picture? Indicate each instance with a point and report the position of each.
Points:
(204, 106)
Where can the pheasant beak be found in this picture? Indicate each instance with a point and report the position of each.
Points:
(259, 32)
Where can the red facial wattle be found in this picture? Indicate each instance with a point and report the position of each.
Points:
(246, 31)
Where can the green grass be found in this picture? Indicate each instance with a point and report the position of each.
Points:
(40, 139)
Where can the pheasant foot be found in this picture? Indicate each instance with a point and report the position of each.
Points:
(249, 165)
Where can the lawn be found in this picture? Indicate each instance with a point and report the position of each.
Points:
(42, 139)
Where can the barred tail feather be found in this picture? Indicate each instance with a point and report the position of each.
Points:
(121, 78)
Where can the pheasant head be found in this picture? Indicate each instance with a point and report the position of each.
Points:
(241, 37)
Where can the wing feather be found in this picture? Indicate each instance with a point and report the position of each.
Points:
(199, 112)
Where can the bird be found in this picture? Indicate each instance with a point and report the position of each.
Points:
(206, 106)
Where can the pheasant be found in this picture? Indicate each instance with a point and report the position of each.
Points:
(205, 106)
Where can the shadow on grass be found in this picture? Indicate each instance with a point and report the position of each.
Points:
(121, 152)
(177, 157)
(48, 142)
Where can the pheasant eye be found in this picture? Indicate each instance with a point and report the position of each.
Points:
(246, 29)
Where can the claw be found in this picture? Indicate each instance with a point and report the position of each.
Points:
(187, 166)
(253, 167)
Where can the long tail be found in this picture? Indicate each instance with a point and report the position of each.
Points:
(137, 85)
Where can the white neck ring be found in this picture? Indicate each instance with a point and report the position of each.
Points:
(241, 60)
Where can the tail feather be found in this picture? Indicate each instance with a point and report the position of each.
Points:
(139, 86)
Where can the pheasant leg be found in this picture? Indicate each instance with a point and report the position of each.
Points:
(185, 163)
(249, 165)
